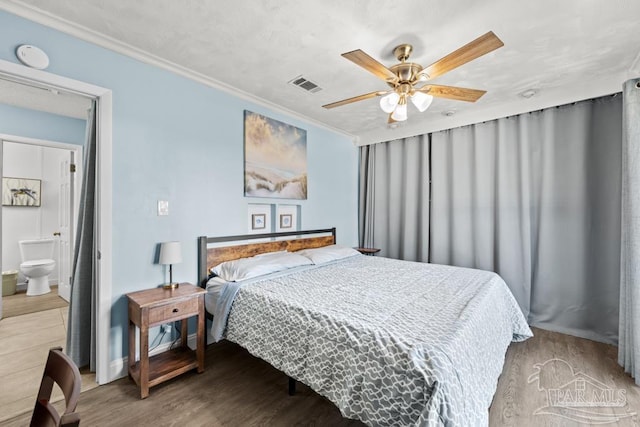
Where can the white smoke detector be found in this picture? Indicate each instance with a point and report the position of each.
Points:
(32, 56)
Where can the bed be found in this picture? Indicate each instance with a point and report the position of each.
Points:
(389, 342)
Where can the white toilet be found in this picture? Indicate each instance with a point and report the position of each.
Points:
(37, 264)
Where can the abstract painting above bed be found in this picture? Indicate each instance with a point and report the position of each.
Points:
(388, 342)
(275, 155)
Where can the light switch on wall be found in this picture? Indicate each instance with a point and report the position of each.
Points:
(163, 207)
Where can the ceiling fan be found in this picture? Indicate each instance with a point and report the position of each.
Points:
(405, 77)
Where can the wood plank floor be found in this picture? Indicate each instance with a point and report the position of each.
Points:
(24, 345)
(237, 389)
(520, 395)
(20, 303)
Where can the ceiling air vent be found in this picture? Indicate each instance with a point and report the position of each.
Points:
(305, 84)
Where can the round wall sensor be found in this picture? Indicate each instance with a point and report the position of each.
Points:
(32, 56)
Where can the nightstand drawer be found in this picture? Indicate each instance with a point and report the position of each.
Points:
(175, 310)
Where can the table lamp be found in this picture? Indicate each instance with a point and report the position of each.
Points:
(170, 253)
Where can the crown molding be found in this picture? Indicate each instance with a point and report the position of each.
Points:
(83, 33)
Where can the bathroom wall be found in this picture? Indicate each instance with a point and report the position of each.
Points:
(19, 223)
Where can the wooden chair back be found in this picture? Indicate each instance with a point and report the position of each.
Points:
(60, 370)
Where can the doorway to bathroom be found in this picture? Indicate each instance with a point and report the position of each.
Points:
(41, 107)
(38, 222)
(43, 82)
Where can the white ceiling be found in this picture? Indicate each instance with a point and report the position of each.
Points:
(567, 50)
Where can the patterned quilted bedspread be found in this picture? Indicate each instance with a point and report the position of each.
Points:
(388, 342)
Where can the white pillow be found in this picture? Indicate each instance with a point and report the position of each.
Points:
(328, 253)
(246, 268)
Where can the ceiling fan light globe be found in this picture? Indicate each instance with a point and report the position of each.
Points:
(400, 113)
(421, 100)
(389, 102)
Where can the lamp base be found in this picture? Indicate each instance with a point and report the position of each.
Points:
(171, 285)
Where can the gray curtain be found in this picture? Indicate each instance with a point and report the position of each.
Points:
(535, 198)
(629, 343)
(394, 198)
(81, 328)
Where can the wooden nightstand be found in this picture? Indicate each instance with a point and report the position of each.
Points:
(368, 251)
(154, 307)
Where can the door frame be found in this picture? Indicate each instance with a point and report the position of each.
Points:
(79, 159)
(104, 102)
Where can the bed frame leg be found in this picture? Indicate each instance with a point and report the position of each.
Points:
(292, 386)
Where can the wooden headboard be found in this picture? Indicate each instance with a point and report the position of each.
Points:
(210, 257)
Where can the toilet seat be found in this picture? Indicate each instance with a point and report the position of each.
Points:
(37, 262)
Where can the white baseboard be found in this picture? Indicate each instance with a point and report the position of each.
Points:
(118, 367)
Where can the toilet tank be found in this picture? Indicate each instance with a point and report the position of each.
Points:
(36, 249)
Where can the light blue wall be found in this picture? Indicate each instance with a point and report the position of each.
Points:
(40, 125)
(181, 141)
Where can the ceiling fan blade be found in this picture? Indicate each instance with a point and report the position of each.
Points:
(355, 99)
(480, 46)
(360, 58)
(452, 92)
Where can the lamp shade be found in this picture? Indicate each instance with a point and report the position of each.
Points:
(421, 100)
(170, 253)
(400, 113)
(389, 102)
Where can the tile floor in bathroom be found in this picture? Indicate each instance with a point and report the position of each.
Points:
(24, 344)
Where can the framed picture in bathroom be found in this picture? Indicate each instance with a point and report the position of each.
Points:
(21, 192)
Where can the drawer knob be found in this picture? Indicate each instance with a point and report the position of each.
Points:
(175, 310)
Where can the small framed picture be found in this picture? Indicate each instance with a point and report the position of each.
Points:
(287, 217)
(260, 218)
(286, 221)
(258, 221)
